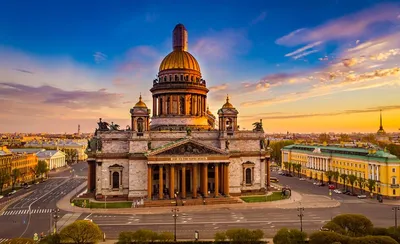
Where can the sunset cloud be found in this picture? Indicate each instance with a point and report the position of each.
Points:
(221, 87)
(99, 57)
(300, 52)
(345, 27)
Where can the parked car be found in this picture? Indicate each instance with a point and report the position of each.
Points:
(331, 187)
(337, 191)
(362, 196)
(27, 186)
(1, 196)
(11, 193)
(302, 179)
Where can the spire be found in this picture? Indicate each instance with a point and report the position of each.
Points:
(180, 38)
(227, 98)
(140, 97)
(381, 126)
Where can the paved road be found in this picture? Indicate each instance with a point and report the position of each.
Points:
(33, 214)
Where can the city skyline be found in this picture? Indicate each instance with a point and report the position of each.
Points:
(313, 68)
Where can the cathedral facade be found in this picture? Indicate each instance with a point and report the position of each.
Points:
(178, 147)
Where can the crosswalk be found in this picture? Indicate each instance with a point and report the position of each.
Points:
(26, 211)
(2, 240)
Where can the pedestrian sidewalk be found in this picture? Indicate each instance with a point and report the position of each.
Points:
(296, 200)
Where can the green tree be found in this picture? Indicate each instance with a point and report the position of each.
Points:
(276, 147)
(329, 175)
(344, 137)
(373, 240)
(297, 167)
(81, 232)
(289, 236)
(15, 174)
(125, 237)
(166, 236)
(244, 235)
(361, 183)
(352, 180)
(144, 236)
(51, 239)
(344, 177)
(371, 184)
(4, 178)
(369, 138)
(286, 165)
(336, 177)
(327, 238)
(220, 236)
(324, 138)
(71, 155)
(394, 149)
(353, 225)
(41, 168)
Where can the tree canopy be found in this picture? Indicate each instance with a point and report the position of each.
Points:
(289, 236)
(81, 231)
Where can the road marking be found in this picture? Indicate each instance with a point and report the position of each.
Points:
(87, 217)
(3, 240)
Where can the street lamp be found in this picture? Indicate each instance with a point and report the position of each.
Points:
(395, 215)
(175, 215)
(55, 217)
(301, 209)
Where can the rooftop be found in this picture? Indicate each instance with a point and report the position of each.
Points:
(348, 152)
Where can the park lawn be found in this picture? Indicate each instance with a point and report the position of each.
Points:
(273, 197)
(79, 203)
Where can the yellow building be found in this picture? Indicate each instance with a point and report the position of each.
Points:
(24, 162)
(365, 164)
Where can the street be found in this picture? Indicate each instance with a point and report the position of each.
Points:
(33, 214)
(18, 220)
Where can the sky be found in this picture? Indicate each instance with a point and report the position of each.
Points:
(300, 66)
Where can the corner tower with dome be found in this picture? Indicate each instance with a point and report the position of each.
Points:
(178, 148)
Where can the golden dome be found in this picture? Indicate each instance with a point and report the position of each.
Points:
(227, 104)
(140, 104)
(179, 59)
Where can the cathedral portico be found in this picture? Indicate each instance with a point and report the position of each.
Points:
(178, 149)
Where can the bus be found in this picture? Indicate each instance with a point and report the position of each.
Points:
(274, 179)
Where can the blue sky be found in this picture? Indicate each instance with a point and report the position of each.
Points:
(93, 59)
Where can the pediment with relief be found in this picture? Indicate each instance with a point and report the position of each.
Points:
(188, 147)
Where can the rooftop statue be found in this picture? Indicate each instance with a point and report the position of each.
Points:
(258, 126)
(114, 126)
(103, 125)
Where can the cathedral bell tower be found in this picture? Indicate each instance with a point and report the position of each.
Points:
(227, 116)
(140, 117)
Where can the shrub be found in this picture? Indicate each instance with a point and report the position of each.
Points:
(219, 236)
(354, 224)
(244, 235)
(379, 231)
(125, 237)
(328, 237)
(373, 240)
(292, 236)
(81, 231)
(21, 241)
(166, 236)
(144, 236)
(51, 239)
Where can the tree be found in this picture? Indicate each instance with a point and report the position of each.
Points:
(373, 240)
(371, 185)
(344, 177)
(51, 239)
(219, 236)
(144, 236)
(15, 174)
(71, 155)
(353, 225)
(125, 237)
(297, 167)
(244, 235)
(276, 147)
(329, 175)
(81, 231)
(4, 178)
(361, 183)
(324, 138)
(289, 236)
(336, 177)
(166, 236)
(352, 180)
(327, 238)
(286, 165)
(344, 137)
(41, 168)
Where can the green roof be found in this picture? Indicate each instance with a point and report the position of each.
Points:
(347, 152)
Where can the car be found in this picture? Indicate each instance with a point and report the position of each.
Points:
(302, 179)
(331, 187)
(27, 186)
(337, 191)
(11, 193)
(1, 196)
(362, 196)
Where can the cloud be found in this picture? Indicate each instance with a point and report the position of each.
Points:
(348, 62)
(221, 87)
(308, 115)
(259, 18)
(350, 26)
(74, 99)
(304, 54)
(99, 57)
(24, 71)
(140, 59)
(221, 45)
(301, 50)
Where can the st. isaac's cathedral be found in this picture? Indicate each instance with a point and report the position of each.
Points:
(178, 148)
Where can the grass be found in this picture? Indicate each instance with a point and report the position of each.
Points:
(80, 203)
(275, 196)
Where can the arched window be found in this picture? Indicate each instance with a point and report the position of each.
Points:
(165, 78)
(182, 105)
(176, 78)
(248, 176)
(140, 125)
(191, 78)
(181, 77)
(393, 180)
(229, 124)
(115, 180)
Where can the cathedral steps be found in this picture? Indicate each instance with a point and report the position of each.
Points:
(191, 202)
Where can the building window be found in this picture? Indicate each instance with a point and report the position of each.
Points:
(115, 180)
(248, 176)
(393, 180)
(394, 192)
(393, 170)
(140, 125)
